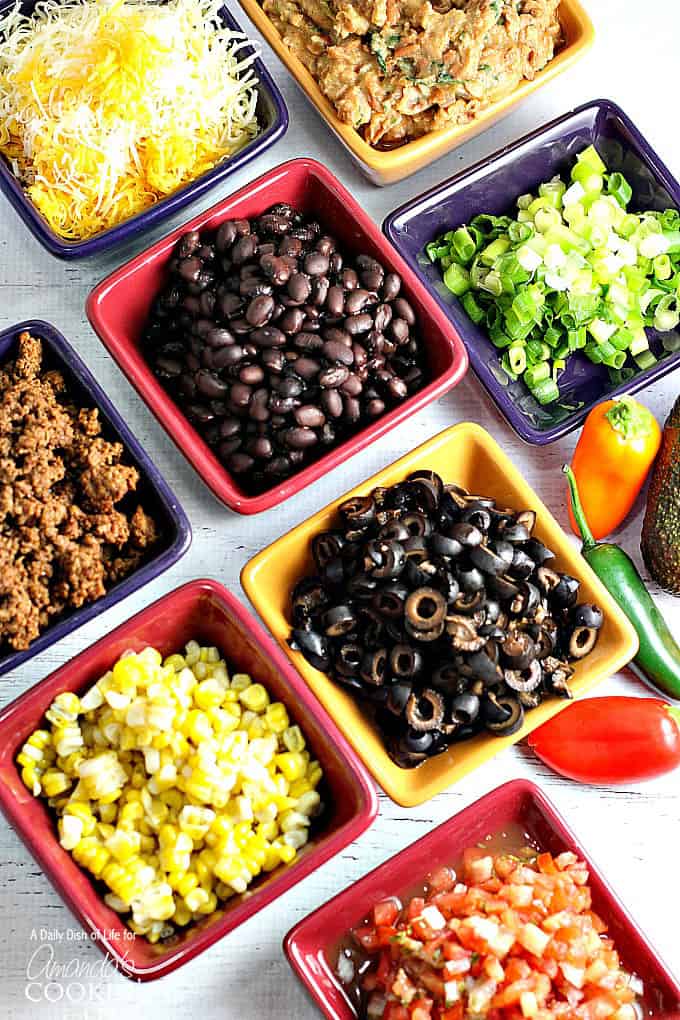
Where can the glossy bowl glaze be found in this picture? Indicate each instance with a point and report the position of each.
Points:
(467, 455)
(272, 117)
(492, 186)
(154, 491)
(312, 945)
(118, 308)
(207, 612)
(387, 167)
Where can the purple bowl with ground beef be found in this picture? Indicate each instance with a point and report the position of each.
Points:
(152, 490)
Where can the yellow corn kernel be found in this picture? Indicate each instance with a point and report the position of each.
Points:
(123, 845)
(240, 681)
(64, 708)
(196, 898)
(208, 694)
(276, 717)
(182, 915)
(209, 906)
(314, 774)
(291, 764)
(175, 662)
(286, 853)
(224, 720)
(129, 814)
(90, 854)
(84, 813)
(268, 830)
(108, 812)
(186, 884)
(293, 739)
(197, 727)
(271, 860)
(30, 776)
(299, 788)
(173, 799)
(160, 741)
(104, 830)
(254, 697)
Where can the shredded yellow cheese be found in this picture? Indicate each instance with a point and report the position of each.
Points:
(107, 107)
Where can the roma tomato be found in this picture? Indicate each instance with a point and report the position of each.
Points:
(611, 740)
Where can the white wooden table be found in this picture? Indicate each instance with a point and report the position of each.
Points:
(633, 833)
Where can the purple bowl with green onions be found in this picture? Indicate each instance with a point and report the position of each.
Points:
(492, 187)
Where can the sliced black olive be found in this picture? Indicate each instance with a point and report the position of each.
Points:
(446, 678)
(351, 682)
(527, 518)
(377, 694)
(466, 708)
(544, 636)
(468, 602)
(479, 502)
(504, 549)
(308, 597)
(522, 566)
(348, 659)
(415, 549)
(425, 711)
(448, 585)
(582, 641)
(419, 575)
(503, 587)
(516, 533)
(313, 646)
(526, 600)
(326, 546)
(547, 579)
(470, 579)
(417, 740)
(565, 594)
(538, 552)
(417, 524)
(557, 675)
(398, 696)
(333, 572)
(339, 620)
(487, 560)
(390, 600)
(444, 545)
(457, 494)
(467, 534)
(463, 633)
(362, 586)
(588, 615)
(518, 650)
(405, 661)
(393, 559)
(530, 699)
(484, 668)
(503, 715)
(492, 611)
(427, 489)
(374, 666)
(393, 530)
(425, 610)
(358, 510)
(526, 679)
(477, 516)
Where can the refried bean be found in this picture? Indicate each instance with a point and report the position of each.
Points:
(63, 541)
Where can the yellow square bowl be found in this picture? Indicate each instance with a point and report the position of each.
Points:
(467, 455)
(387, 167)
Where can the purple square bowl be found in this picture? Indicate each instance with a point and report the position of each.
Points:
(272, 117)
(492, 186)
(153, 490)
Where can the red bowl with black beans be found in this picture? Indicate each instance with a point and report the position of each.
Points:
(119, 308)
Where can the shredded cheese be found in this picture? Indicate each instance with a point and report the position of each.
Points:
(107, 106)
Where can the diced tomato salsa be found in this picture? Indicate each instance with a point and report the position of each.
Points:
(511, 938)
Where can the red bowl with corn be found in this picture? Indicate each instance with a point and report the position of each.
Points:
(119, 855)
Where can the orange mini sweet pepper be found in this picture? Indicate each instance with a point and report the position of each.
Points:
(613, 456)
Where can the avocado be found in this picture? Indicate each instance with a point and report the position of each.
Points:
(660, 543)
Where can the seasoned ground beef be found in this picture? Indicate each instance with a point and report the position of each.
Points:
(398, 69)
(62, 541)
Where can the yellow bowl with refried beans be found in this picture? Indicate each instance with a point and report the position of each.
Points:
(402, 82)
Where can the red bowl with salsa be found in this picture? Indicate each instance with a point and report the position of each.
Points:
(511, 817)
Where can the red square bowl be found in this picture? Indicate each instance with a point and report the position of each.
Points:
(312, 945)
(206, 611)
(119, 305)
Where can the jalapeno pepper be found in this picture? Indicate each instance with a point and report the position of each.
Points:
(658, 658)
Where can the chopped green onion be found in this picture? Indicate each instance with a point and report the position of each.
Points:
(457, 279)
(618, 186)
(546, 391)
(475, 311)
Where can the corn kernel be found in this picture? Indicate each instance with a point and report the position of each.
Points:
(291, 764)
(276, 717)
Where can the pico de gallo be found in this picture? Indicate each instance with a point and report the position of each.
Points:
(513, 938)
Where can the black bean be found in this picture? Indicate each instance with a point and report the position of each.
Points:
(399, 330)
(397, 388)
(290, 246)
(274, 360)
(300, 438)
(188, 243)
(308, 341)
(309, 415)
(229, 446)
(336, 350)
(336, 262)
(349, 279)
(404, 310)
(240, 462)
(290, 386)
(316, 263)
(306, 368)
(291, 320)
(200, 413)
(260, 310)
(335, 301)
(383, 317)
(372, 278)
(219, 338)
(190, 269)
(282, 405)
(391, 286)
(210, 385)
(227, 356)
(230, 427)
(331, 401)
(375, 407)
(258, 409)
(331, 378)
(326, 245)
(357, 301)
(244, 249)
(320, 288)
(169, 367)
(228, 305)
(356, 324)
(352, 385)
(269, 336)
(251, 374)
(240, 394)
(351, 409)
(261, 448)
(299, 288)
